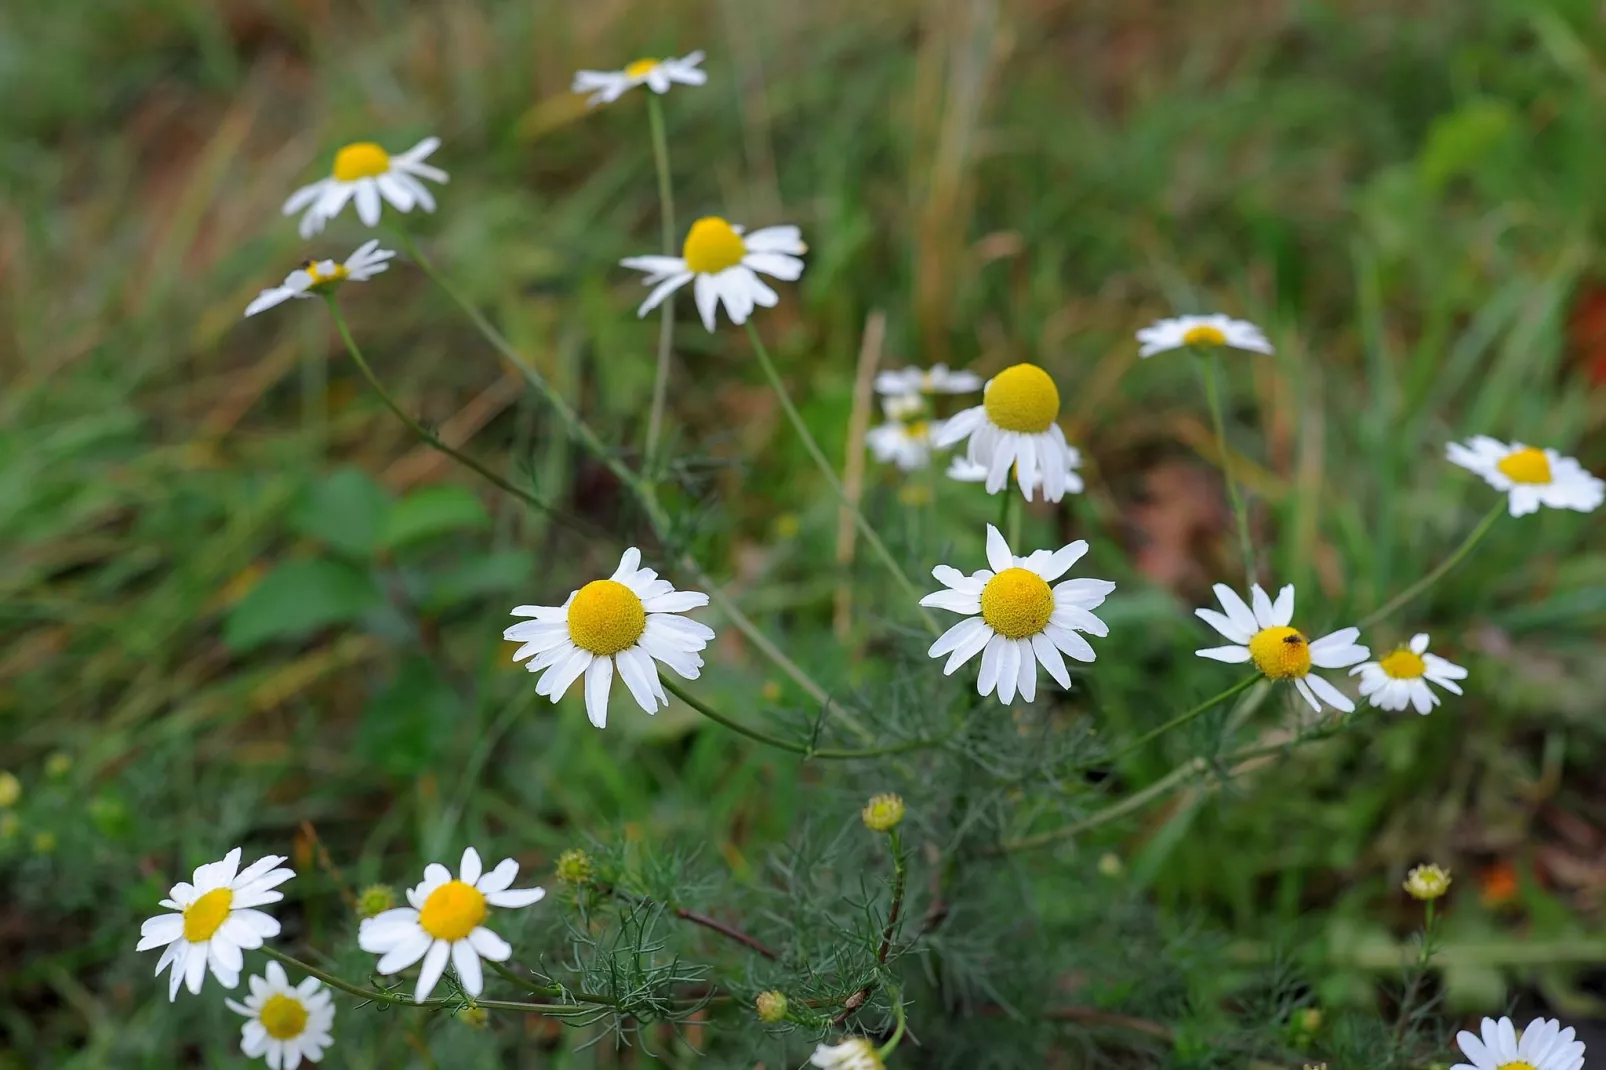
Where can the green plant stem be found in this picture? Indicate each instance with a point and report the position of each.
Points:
(1183, 718)
(900, 883)
(556, 991)
(1437, 574)
(373, 995)
(1209, 369)
(793, 746)
(886, 1050)
(666, 312)
(824, 465)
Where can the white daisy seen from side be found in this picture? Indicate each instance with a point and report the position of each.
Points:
(722, 261)
(621, 624)
(1544, 1045)
(854, 1053)
(366, 174)
(446, 920)
(319, 276)
(937, 379)
(907, 445)
(1530, 475)
(963, 470)
(1279, 651)
(1015, 620)
(658, 75)
(214, 919)
(1015, 425)
(285, 1024)
(1206, 332)
(1401, 678)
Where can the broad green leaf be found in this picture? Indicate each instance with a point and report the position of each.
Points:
(404, 725)
(296, 599)
(432, 511)
(346, 509)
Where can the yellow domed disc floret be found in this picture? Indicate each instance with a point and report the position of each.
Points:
(1204, 335)
(1022, 398)
(361, 159)
(712, 245)
(1017, 603)
(1280, 653)
(606, 617)
(1404, 665)
(452, 911)
(283, 1017)
(1526, 466)
(641, 68)
(207, 914)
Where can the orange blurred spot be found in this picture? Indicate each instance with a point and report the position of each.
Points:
(1498, 884)
(1586, 330)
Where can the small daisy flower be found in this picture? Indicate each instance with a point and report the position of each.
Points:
(623, 623)
(1015, 620)
(446, 920)
(367, 174)
(1014, 425)
(936, 379)
(658, 75)
(855, 1053)
(1203, 332)
(1278, 651)
(214, 920)
(908, 445)
(963, 470)
(903, 406)
(1532, 476)
(287, 1024)
(318, 276)
(724, 259)
(1426, 882)
(1545, 1045)
(1401, 679)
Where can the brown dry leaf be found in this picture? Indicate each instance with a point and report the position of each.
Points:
(1177, 523)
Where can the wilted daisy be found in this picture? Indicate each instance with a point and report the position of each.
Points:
(1532, 476)
(936, 379)
(963, 470)
(723, 258)
(1278, 651)
(907, 445)
(1015, 619)
(214, 920)
(318, 276)
(1401, 678)
(855, 1053)
(366, 173)
(1545, 1045)
(446, 920)
(622, 623)
(1014, 425)
(1202, 332)
(287, 1024)
(658, 75)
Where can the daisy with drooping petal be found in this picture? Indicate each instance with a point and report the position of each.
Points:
(1544, 1045)
(1278, 651)
(1203, 332)
(724, 260)
(1401, 679)
(215, 919)
(936, 379)
(287, 1024)
(1015, 424)
(1015, 620)
(446, 921)
(963, 470)
(621, 623)
(658, 75)
(854, 1053)
(317, 276)
(1532, 476)
(365, 173)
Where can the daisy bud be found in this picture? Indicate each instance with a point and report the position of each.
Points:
(1110, 864)
(1427, 882)
(771, 1006)
(375, 900)
(10, 789)
(574, 867)
(473, 1017)
(883, 813)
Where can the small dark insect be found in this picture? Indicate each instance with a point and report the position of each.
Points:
(306, 265)
(1292, 640)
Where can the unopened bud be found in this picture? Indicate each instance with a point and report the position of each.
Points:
(473, 1017)
(10, 789)
(1427, 882)
(883, 812)
(771, 1006)
(375, 900)
(574, 867)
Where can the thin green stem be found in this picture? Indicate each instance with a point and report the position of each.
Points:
(886, 1050)
(1209, 369)
(530, 984)
(1183, 718)
(1438, 573)
(824, 465)
(374, 995)
(900, 883)
(793, 746)
(666, 312)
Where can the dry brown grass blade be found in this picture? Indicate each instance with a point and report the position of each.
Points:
(875, 335)
(425, 463)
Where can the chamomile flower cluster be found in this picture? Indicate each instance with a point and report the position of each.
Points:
(1543, 1045)
(1016, 429)
(905, 437)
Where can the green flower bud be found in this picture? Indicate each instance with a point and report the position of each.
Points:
(10, 789)
(58, 765)
(473, 1017)
(771, 1006)
(574, 867)
(883, 812)
(374, 900)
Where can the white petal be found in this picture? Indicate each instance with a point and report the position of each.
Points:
(1261, 602)
(405, 953)
(367, 197)
(499, 878)
(1028, 670)
(1233, 655)
(661, 291)
(707, 295)
(1224, 625)
(998, 556)
(1419, 642)
(1008, 671)
(490, 946)
(1307, 694)
(1069, 642)
(992, 655)
(434, 966)
(1048, 654)
(470, 868)
(1329, 694)
(599, 678)
(636, 670)
(953, 601)
(514, 898)
(1282, 611)
(945, 644)
(1237, 611)
(467, 965)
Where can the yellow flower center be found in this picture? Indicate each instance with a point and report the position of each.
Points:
(1280, 653)
(361, 159)
(712, 245)
(283, 1017)
(1403, 665)
(641, 68)
(918, 430)
(1017, 603)
(1022, 398)
(203, 917)
(1519, 1065)
(1204, 335)
(606, 617)
(452, 911)
(336, 274)
(1526, 466)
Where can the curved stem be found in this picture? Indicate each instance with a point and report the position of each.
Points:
(793, 746)
(1438, 573)
(666, 318)
(373, 995)
(886, 1050)
(1183, 718)
(824, 465)
(1209, 368)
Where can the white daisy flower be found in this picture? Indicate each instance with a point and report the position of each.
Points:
(316, 276)
(446, 920)
(903, 406)
(723, 258)
(1401, 679)
(963, 470)
(366, 173)
(1015, 619)
(622, 623)
(1278, 651)
(1532, 476)
(1201, 331)
(214, 920)
(936, 379)
(1545, 1045)
(287, 1024)
(854, 1053)
(658, 75)
(907, 445)
(1014, 425)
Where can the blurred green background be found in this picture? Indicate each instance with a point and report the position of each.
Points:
(239, 603)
